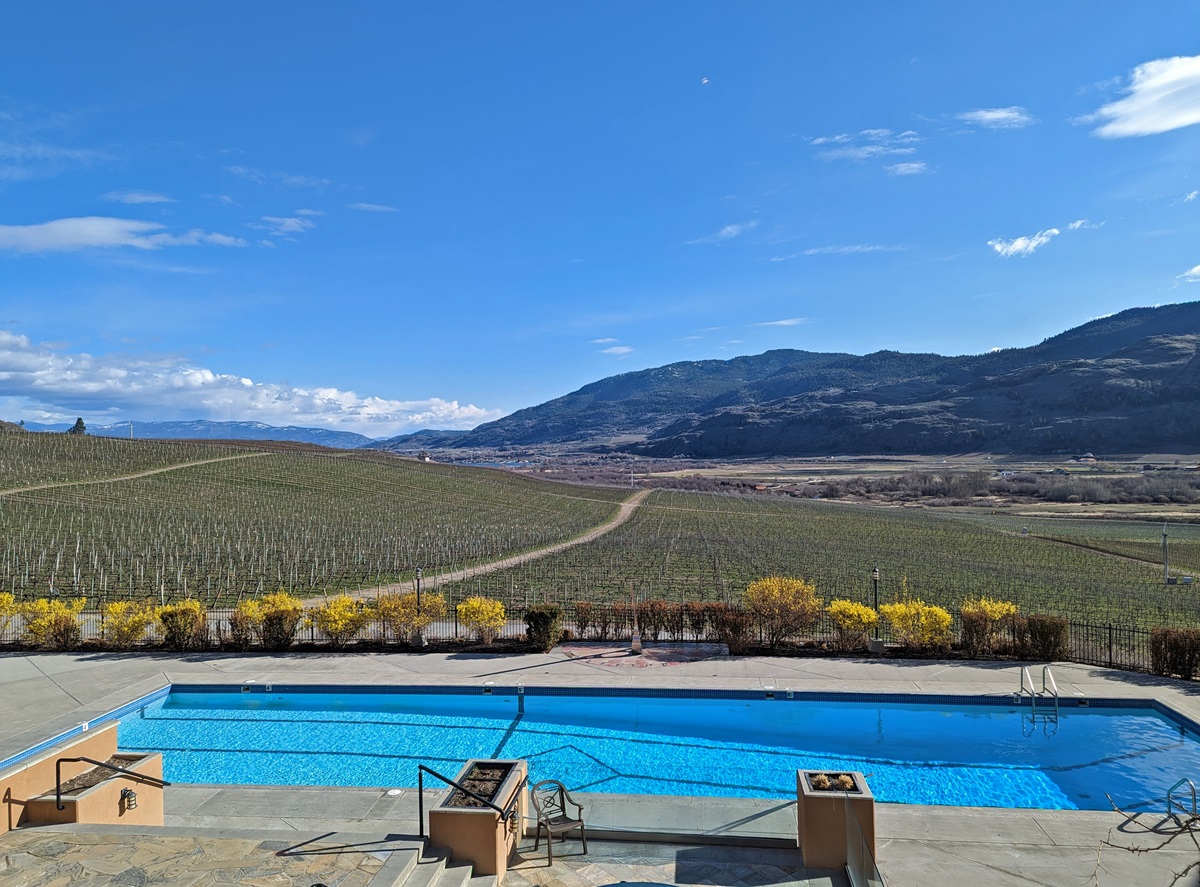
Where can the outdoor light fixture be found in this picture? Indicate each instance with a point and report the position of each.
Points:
(418, 639)
(875, 581)
(129, 798)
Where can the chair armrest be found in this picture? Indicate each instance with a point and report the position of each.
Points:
(571, 800)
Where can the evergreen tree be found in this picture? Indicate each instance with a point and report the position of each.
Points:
(78, 427)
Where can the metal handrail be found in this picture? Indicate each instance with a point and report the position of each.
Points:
(145, 777)
(1047, 675)
(1171, 801)
(505, 814)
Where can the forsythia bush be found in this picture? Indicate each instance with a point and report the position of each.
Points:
(53, 624)
(125, 623)
(184, 624)
(273, 619)
(398, 613)
(341, 618)
(782, 606)
(981, 619)
(918, 625)
(482, 615)
(8, 609)
(853, 621)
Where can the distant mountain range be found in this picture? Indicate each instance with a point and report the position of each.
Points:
(205, 430)
(1128, 383)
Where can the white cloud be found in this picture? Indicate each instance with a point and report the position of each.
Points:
(1014, 117)
(1083, 223)
(852, 249)
(56, 383)
(67, 235)
(907, 169)
(788, 321)
(606, 341)
(727, 233)
(135, 197)
(1192, 275)
(27, 156)
(1023, 246)
(1162, 95)
(289, 180)
(283, 226)
(373, 207)
(310, 212)
(1191, 195)
(618, 350)
(867, 144)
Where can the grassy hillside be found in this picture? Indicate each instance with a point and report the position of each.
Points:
(696, 546)
(307, 519)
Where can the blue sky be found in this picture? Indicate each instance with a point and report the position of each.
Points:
(379, 217)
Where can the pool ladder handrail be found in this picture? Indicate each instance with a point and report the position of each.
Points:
(1172, 803)
(507, 812)
(1049, 687)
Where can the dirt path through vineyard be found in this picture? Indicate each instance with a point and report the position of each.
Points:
(112, 480)
(429, 582)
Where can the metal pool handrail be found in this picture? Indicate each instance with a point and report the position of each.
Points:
(1172, 803)
(505, 814)
(145, 777)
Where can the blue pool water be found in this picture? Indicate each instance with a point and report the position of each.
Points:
(911, 753)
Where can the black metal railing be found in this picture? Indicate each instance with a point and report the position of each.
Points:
(144, 777)
(506, 812)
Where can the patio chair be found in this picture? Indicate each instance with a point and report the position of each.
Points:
(550, 800)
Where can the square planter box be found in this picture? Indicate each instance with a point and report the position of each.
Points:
(102, 803)
(821, 818)
(475, 834)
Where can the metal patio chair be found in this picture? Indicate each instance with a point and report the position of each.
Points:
(550, 799)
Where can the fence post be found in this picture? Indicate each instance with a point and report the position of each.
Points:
(1110, 645)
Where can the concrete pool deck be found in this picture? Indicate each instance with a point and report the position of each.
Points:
(44, 694)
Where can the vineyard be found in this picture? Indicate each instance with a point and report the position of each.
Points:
(308, 521)
(694, 546)
(113, 520)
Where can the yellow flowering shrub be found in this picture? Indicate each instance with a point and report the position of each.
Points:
(918, 625)
(125, 623)
(53, 624)
(981, 621)
(184, 624)
(783, 607)
(9, 608)
(399, 616)
(340, 618)
(272, 618)
(853, 622)
(482, 615)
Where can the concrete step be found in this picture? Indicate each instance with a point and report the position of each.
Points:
(456, 874)
(426, 872)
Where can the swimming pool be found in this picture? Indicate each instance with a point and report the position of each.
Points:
(913, 750)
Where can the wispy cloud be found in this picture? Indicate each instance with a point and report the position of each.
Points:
(373, 207)
(1014, 117)
(1191, 195)
(267, 177)
(867, 144)
(1024, 245)
(1161, 95)
(310, 212)
(787, 321)
(1192, 275)
(852, 249)
(605, 341)
(69, 235)
(26, 152)
(727, 233)
(57, 382)
(136, 197)
(618, 350)
(907, 169)
(1083, 223)
(284, 226)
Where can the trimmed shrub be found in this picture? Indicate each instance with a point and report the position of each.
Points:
(125, 623)
(53, 624)
(852, 622)
(273, 619)
(621, 613)
(918, 625)
(184, 625)
(1048, 638)
(1175, 651)
(543, 626)
(9, 608)
(585, 617)
(731, 626)
(981, 621)
(695, 614)
(399, 616)
(653, 618)
(482, 615)
(340, 619)
(782, 607)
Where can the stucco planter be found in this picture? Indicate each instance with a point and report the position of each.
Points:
(821, 815)
(475, 833)
(106, 801)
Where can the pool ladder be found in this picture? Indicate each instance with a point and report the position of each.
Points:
(1049, 691)
(1172, 803)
